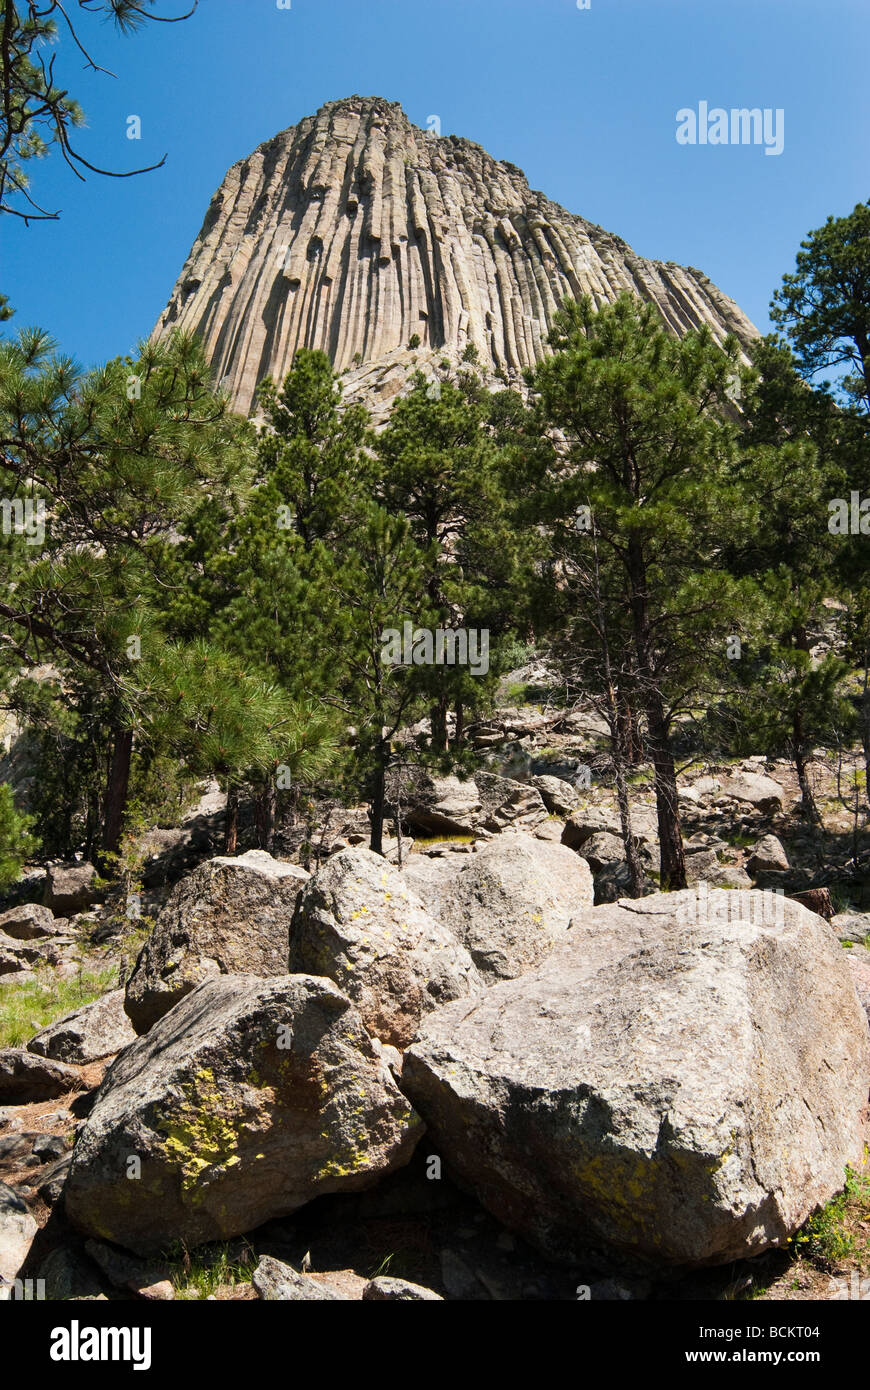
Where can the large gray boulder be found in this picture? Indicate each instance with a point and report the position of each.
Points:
(17, 957)
(558, 796)
(383, 1289)
(769, 854)
(360, 923)
(70, 888)
(250, 1098)
(587, 821)
(276, 1282)
(507, 803)
(437, 805)
(756, 790)
(859, 963)
(29, 922)
(96, 1030)
(26, 1079)
(18, 1231)
(229, 916)
(602, 851)
(683, 1078)
(509, 902)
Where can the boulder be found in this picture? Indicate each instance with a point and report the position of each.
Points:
(48, 1147)
(559, 797)
(859, 964)
(29, 922)
(96, 1030)
(768, 854)
(247, 1100)
(602, 850)
(360, 923)
(386, 1290)
(506, 802)
(54, 1181)
(703, 866)
(700, 788)
(126, 1271)
(18, 1231)
(583, 824)
(438, 805)
(70, 1276)
(683, 1078)
(70, 888)
(26, 1078)
(756, 790)
(510, 901)
(849, 926)
(279, 1282)
(229, 916)
(18, 957)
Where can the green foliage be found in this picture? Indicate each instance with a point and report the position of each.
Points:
(16, 842)
(36, 111)
(414, 341)
(839, 1230)
(824, 306)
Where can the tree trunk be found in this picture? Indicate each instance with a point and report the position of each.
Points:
(376, 841)
(632, 859)
(231, 837)
(808, 802)
(117, 788)
(629, 733)
(266, 805)
(673, 860)
(865, 726)
(438, 718)
(459, 732)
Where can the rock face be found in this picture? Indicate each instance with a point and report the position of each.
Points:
(249, 1099)
(359, 923)
(768, 854)
(18, 1231)
(675, 1079)
(355, 232)
(383, 1289)
(97, 1030)
(29, 922)
(70, 888)
(26, 1079)
(275, 1282)
(509, 902)
(442, 805)
(756, 790)
(228, 916)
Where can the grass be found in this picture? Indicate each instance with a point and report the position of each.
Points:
(442, 840)
(839, 1231)
(200, 1274)
(42, 997)
(740, 840)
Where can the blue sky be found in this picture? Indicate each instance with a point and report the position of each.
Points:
(584, 101)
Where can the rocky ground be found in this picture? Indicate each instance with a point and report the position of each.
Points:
(469, 990)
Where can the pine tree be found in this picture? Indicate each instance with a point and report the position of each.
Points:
(647, 471)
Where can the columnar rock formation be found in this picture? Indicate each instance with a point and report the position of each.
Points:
(354, 231)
